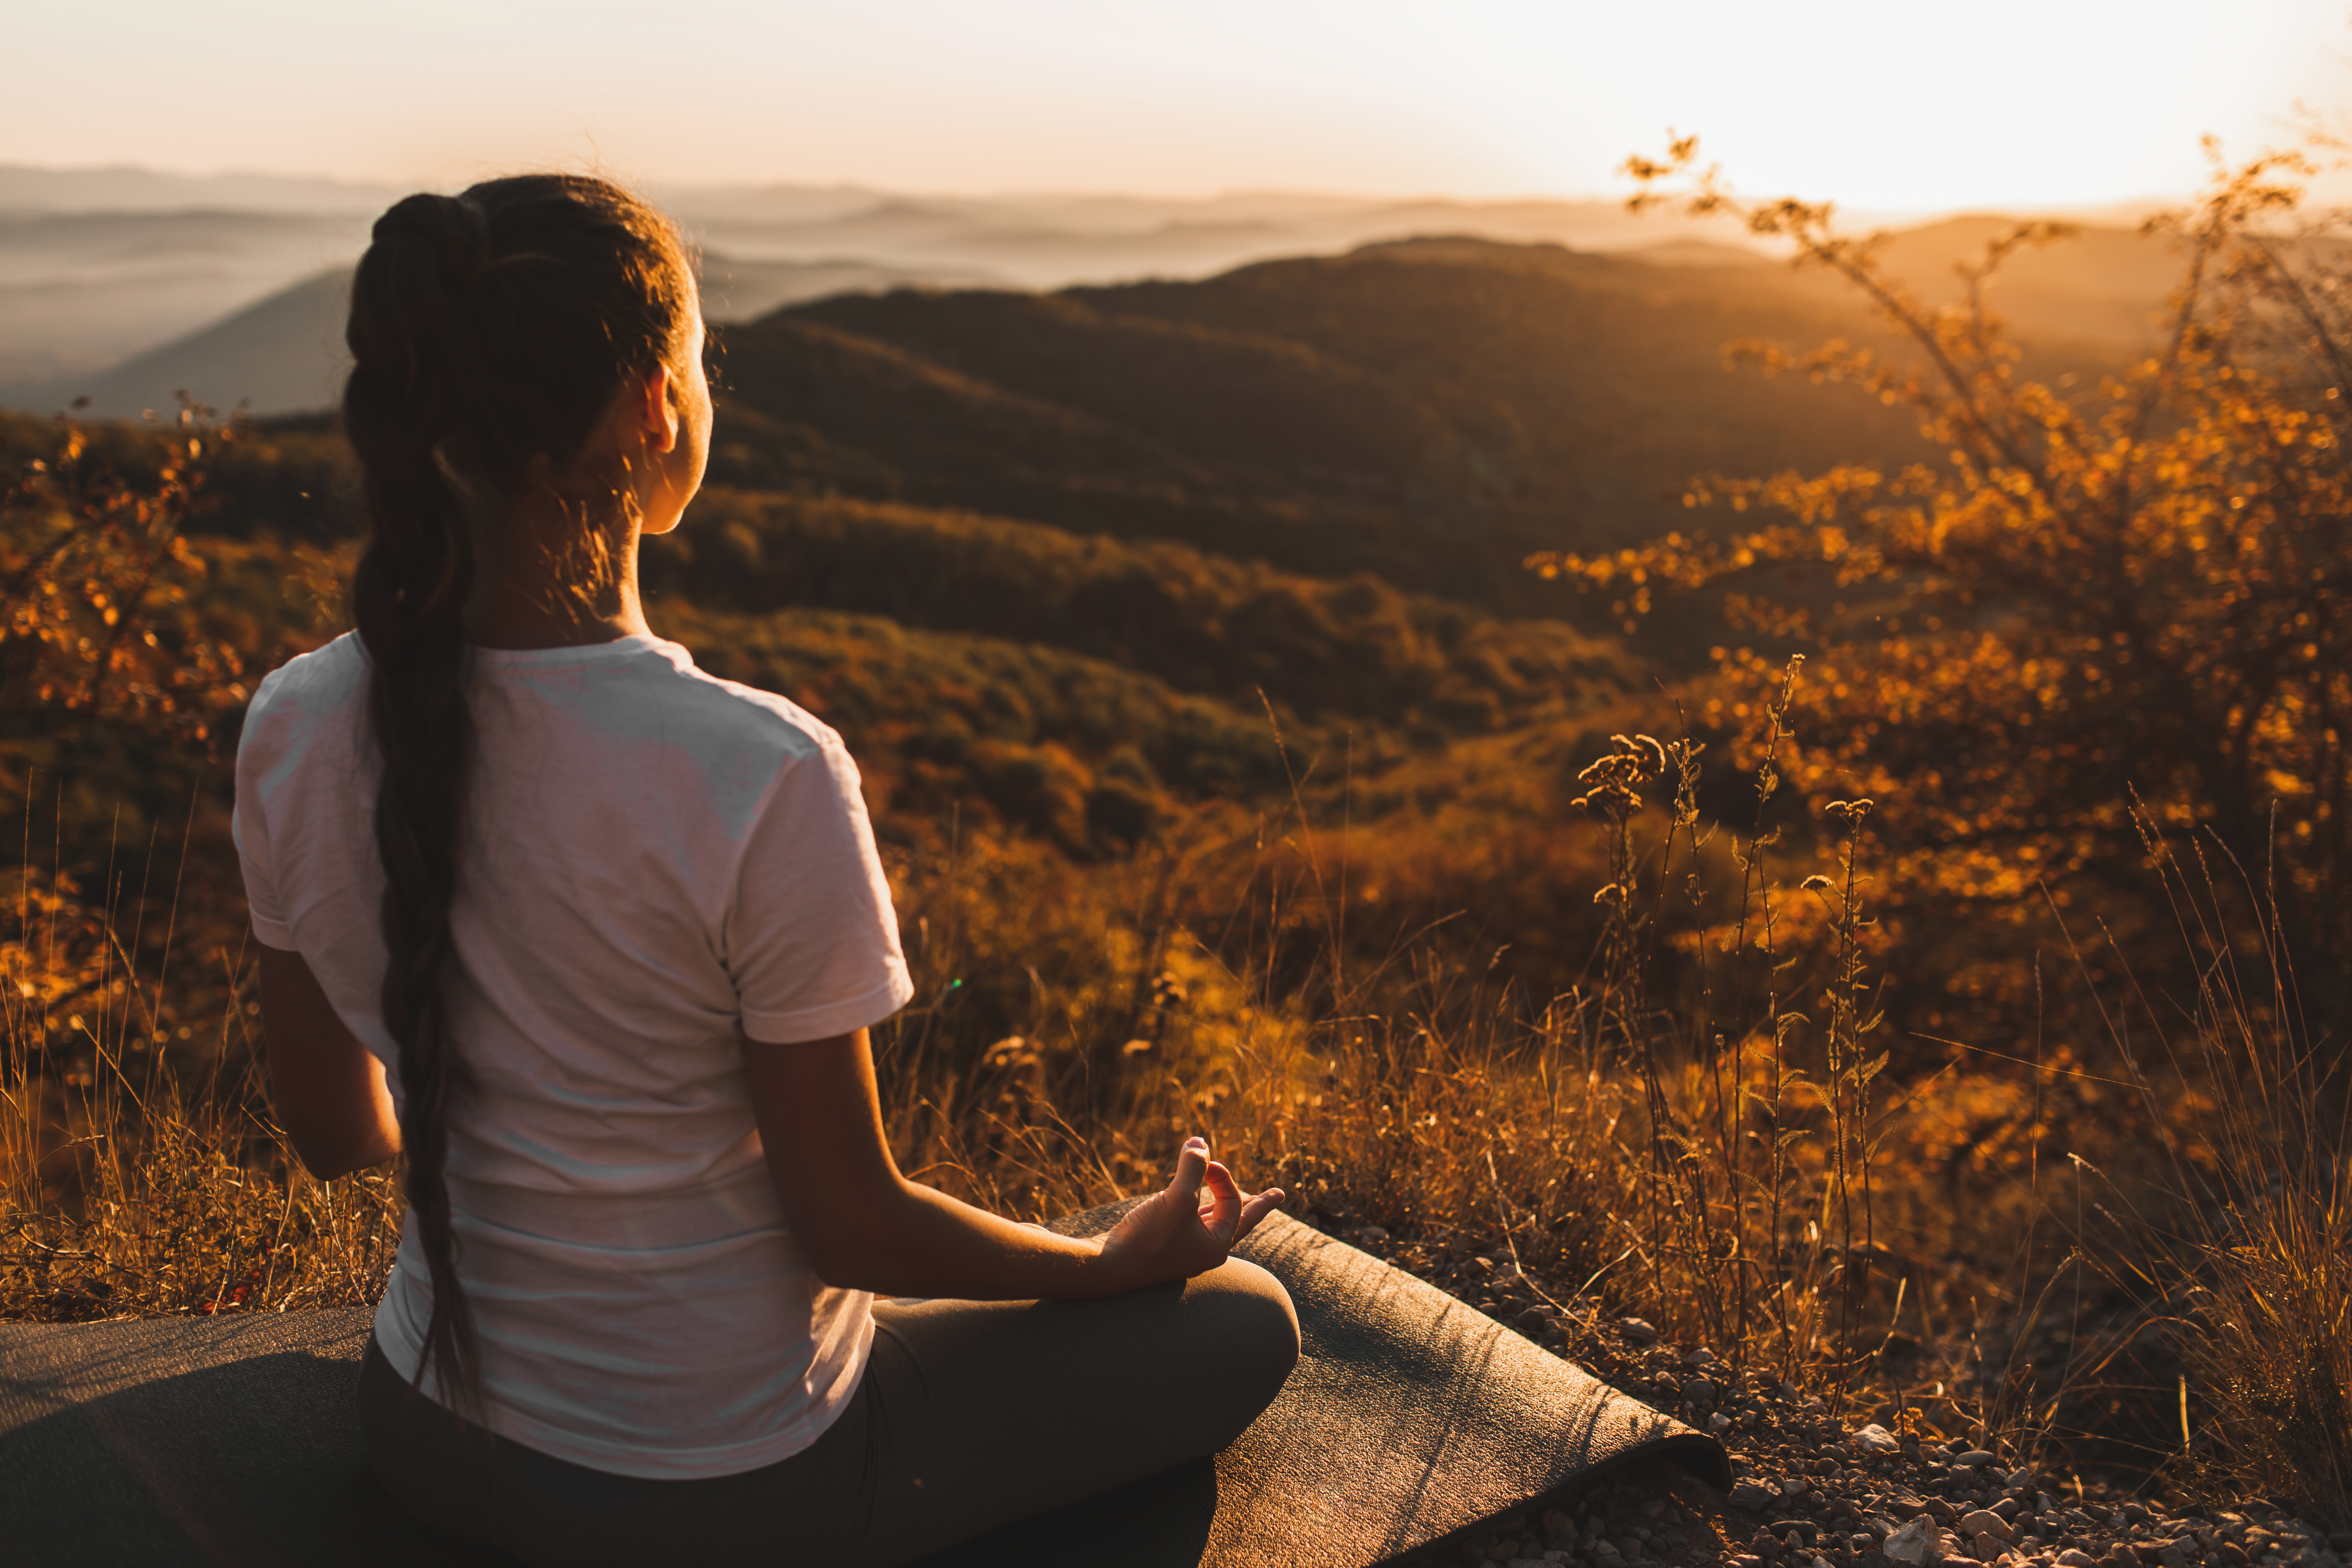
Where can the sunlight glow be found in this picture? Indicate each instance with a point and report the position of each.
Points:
(1885, 104)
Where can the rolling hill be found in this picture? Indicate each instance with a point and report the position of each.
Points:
(1429, 411)
(284, 354)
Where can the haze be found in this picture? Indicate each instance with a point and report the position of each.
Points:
(1897, 107)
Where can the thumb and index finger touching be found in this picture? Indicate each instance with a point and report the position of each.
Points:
(1228, 1215)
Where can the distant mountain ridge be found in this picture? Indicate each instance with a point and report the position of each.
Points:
(284, 354)
(98, 266)
(101, 266)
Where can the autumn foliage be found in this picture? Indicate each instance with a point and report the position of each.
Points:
(2132, 590)
(1405, 904)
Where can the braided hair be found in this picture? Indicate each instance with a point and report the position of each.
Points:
(489, 334)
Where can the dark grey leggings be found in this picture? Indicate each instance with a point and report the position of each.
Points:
(971, 1414)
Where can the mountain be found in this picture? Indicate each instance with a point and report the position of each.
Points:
(1429, 411)
(83, 290)
(97, 264)
(100, 265)
(284, 354)
(281, 354)
(126, 188)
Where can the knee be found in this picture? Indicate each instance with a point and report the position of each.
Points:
(1253, 1324)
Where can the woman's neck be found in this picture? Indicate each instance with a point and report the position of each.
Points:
(541, 587)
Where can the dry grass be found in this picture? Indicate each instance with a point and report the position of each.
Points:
(2246, 1248)
(140, 1175)
(1713, 1144)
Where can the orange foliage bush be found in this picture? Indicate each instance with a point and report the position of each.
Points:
(2136, 589)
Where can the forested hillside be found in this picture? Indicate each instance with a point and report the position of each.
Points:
(1070, 564)
(1430, 411)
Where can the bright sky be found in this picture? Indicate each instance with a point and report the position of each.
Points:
(1890, 104)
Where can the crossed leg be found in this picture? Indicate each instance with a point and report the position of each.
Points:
(971, 1414)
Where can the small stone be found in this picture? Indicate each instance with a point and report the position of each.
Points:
(1753, 1495)
(1718, 1423)
(2171, 1557)
(1638, 1330)
(1876, 1439)
(1743, 1560)
(1915, 1543)
(1984, 1521)
(2071, 1558)
(1972, 1457)
(1986, 1546)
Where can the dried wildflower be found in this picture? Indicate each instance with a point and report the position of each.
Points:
(1613, 782)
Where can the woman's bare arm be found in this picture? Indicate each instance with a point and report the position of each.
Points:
(862, 1226)
(328, 1090)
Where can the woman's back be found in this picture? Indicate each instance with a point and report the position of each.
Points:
(612, 933)
(654, 863)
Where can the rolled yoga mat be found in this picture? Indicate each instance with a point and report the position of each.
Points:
(1409, 1419)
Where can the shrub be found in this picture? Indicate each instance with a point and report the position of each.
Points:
(2136, 589)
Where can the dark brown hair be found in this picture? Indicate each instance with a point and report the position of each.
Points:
(488, 332)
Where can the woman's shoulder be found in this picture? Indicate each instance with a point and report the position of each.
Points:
(324, 681)
(730, 713)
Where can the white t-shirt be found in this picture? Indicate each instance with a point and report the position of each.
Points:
(654, 864)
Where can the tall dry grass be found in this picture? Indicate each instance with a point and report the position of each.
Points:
(2245, 1252)
(140, 1173)
(1702, 1128)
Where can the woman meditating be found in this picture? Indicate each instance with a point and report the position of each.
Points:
(594, 941)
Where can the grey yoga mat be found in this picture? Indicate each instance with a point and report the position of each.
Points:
(234, 1440)
(1410, 1418)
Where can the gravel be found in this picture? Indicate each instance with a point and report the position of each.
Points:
(1811, 1493)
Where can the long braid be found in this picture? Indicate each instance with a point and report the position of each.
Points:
(408, 597)
(488, 331)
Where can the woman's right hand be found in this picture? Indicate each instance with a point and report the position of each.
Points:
(1172, 1235)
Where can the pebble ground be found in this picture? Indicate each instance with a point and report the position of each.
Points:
(1811, 1491)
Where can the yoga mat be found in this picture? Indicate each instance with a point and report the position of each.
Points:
(205, 1441)
(1411, 1419)
(198, 1441)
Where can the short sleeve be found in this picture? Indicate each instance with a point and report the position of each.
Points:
(246, 826)
(811, 938)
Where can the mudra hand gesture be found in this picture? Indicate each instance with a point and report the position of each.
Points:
(1173, 1235)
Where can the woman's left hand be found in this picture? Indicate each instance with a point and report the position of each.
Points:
(1172, 1234)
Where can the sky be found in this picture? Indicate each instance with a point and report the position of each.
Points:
(1892, 105)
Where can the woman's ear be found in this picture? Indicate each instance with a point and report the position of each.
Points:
(656, 411)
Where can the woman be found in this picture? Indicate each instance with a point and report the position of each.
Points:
(595, 940)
